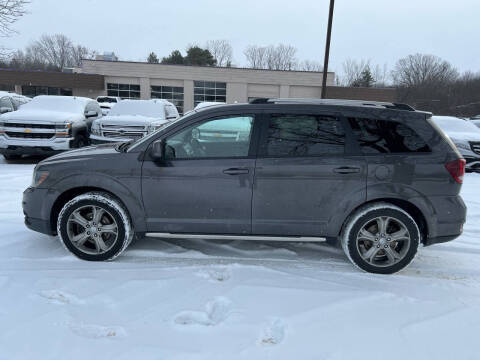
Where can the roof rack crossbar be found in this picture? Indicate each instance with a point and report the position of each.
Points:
(340, 102)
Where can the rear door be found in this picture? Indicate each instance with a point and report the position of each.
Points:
(305, 173)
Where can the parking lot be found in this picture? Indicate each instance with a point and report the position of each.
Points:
(178, 299)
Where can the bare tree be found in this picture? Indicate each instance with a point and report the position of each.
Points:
(310, 65)
(256, 56)
(10, 12)
(80, 52)
(221, 50)
(381, 75)
(280, 57)
(56, 49)
(352, 71)
(421, 70)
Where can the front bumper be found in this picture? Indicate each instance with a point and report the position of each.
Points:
(37, 206)
(33, 146)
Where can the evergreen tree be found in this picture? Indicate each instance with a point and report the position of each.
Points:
(153, 58)
(366, 79)
(198, 56)
(175, 58)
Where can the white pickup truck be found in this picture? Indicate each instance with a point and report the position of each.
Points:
(132, 119)
(47, 125)
(107, 102)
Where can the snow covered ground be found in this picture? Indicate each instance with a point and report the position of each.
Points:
(231, 300)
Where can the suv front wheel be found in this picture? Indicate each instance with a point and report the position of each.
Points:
(95, 227)
(381, 238)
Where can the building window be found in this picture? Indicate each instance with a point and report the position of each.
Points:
(171, 93)
(209, 91)
(7, 88)
(124, 91)
(32, 91)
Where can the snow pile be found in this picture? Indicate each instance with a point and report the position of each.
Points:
(194, 299)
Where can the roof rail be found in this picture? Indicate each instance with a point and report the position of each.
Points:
(338, 102)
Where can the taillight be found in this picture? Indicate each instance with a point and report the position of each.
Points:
(456, 168)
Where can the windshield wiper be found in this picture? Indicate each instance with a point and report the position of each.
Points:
(123, 147)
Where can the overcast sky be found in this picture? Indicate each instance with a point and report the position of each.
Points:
(380, 30)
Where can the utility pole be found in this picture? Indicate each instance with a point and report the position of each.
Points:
(327, 50)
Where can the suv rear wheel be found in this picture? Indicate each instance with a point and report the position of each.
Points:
(95, 227)
(381, 238)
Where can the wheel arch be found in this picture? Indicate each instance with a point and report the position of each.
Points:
(410, 208)
(70, 194)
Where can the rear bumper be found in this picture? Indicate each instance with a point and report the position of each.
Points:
(447, 220)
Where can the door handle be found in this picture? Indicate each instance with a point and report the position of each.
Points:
(346, 170)
(236, 171)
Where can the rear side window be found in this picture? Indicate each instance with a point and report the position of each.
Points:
(382, 136)
(304, 135)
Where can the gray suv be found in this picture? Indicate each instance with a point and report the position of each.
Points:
(378, 179)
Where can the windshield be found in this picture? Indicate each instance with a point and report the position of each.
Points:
(153, 134)
(106, 100)
(453, 124)
(140, 108)
(56, 103)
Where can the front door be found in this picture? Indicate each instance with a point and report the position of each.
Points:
(304, 174)
(204, 186)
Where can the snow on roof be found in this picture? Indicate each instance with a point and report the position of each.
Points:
(72, 104)
(149, 108)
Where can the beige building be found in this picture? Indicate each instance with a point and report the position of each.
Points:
(186, 86)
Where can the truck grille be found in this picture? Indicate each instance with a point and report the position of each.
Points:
(475, 147)
(130, 132)
(29, 126)
(20, 135)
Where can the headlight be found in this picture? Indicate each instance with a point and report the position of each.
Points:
(39, 177)
(63, 129)
(95, 129)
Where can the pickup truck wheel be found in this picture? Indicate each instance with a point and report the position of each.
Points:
(79, 142)
(381, 238)
(95, 227)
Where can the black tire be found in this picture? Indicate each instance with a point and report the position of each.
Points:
(79, 142)
(368, 215)
(111, 207)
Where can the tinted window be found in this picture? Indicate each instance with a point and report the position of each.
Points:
(304, 135)
(216, 138)
(381, 136)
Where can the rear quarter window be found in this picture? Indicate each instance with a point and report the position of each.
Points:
(383, 136)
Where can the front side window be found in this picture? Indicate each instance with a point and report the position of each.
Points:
(225, 137)
(382, 136)
(304, 135)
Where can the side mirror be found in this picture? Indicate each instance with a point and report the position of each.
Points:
(91, 113)
(4, 110)
(157, 151)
